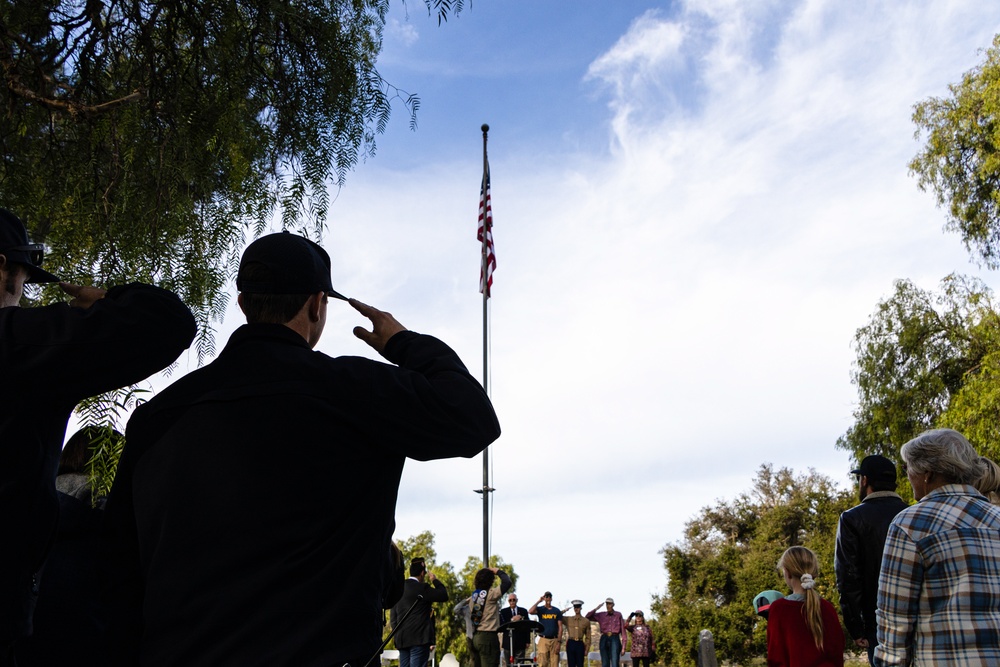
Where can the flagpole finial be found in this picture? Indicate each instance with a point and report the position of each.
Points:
(485, 128)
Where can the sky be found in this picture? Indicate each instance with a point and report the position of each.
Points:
(696, 205)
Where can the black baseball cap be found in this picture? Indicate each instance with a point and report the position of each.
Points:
(297, 266)
(876, 468)
(15, 246)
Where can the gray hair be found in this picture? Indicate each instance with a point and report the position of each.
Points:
(944, 452)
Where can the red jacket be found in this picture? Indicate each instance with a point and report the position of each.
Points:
(791, 644)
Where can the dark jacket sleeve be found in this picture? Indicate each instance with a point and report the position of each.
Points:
(505, 582)
(849, 579)
(430, 407)
(133, 332)
(436, 592)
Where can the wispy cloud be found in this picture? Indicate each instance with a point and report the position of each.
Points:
(404, 33)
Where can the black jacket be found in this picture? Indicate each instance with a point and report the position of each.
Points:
(521, 636)
(51, 358)
(860, 539)
(254, 505)
(417, 628)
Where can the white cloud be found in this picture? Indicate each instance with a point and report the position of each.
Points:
(650, 45)
(404, 32)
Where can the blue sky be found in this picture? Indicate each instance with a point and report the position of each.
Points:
(697, 204)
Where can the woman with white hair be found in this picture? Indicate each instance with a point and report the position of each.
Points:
(939, 587)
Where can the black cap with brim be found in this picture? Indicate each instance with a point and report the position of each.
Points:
(15, 246)
(876, 467)
(39, 275)
(296, 266)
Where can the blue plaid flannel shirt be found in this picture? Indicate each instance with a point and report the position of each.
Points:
(939, 586)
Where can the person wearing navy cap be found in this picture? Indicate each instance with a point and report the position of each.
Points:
(51, 358)
(861, 534)
(255, 500)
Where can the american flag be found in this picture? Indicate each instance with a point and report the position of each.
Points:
(489, 262)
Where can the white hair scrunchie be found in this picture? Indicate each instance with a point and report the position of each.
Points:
(807, 581)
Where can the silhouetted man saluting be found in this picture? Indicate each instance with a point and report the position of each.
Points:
(51, 358)
(254, 505)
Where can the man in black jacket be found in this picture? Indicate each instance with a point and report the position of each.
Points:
(51, 358)
(860, 539)
(519, 637)
(412, 618)
(255, 500)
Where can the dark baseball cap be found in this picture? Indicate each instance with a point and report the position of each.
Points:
(297, 266)
(15, 246)
(876, 468)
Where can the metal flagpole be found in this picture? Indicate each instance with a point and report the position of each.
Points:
(486, 490)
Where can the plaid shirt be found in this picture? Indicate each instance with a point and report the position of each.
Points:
(939, 588)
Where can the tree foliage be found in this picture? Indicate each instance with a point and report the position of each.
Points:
(729, 554)
(960, 161)
(449, 631)
(927, 360)
(143, 139)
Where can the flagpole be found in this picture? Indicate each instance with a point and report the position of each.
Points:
(486, 295)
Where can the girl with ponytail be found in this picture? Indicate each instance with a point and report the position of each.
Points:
(803, 629)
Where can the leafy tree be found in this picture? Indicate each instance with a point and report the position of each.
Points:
(449, 631)
(927, 360)
(974, 410)
(960, 161)
(729, 554)
(142, 139)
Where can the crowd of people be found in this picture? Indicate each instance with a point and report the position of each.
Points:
(496, 634)
(920, 584)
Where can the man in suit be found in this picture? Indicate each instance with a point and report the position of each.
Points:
(519, 637)
(415, 630)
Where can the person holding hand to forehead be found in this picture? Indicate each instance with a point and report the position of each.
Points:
(551, 619)
(51, 358)
(612, 625)
(255, 500)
